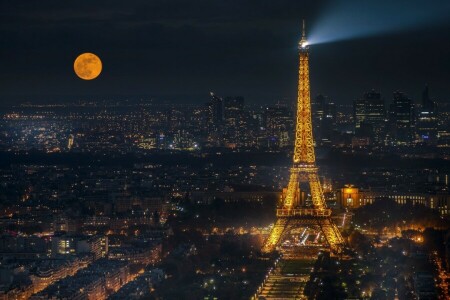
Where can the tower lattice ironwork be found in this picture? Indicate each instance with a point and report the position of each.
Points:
(291, 214)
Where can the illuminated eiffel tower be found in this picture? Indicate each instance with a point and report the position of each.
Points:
(290, 214)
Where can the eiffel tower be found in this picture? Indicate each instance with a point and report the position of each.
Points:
(290, 214)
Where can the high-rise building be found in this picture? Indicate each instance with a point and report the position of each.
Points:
(427, 127)
(370, 117)
(323, 119)
(215, 106)
(401, 119)
(235, 122)
(214, 121)
(279, 125)
(443, 111)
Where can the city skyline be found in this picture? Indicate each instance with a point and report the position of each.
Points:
(179, 52)
(153, 150)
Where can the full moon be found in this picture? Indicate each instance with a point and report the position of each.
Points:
(87, 66)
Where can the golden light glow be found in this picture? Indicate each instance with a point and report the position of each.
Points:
(349, 191)
(87, 66)
(291, 215)
(418, 239)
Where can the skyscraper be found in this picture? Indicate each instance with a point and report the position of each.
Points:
(214, 121)
(402, 119)
(216, 110)
(279, 125)
(235, 121)
(323, 112)
(427, 103)
(370, 116)
(427, 129)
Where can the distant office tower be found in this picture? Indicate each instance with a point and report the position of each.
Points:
(370, 117)
(401, 119)
(215, 106)
(427, 127)
(323, 119)
(70, 141)
(443, 111)
(235, 120)
(279, 125)
(214, 122)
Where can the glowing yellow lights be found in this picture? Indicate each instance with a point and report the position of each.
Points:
(290, 215)
(418, 239)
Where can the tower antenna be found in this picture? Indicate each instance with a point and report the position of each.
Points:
(304, 30)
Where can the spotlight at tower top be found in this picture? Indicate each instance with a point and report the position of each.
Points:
(303, 44)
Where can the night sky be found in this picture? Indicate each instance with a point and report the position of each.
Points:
(180, 50)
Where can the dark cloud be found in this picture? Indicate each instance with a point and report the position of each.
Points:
(179, 47)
